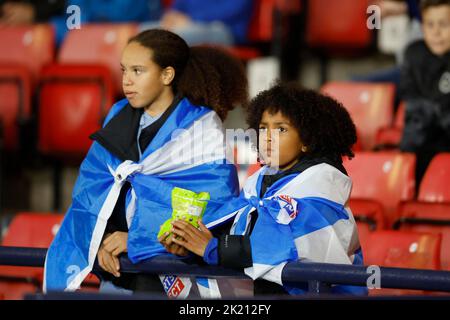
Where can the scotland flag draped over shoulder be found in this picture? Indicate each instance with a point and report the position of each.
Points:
(187, 152)
(301, 217)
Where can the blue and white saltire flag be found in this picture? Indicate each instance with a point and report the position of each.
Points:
(189, 151)
(302, 217)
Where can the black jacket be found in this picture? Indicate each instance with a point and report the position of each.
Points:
(425, 87)
(43, 9)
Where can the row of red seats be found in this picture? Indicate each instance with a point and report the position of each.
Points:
(35, 230)
(75, 87)
(383, 196)
(27, 57)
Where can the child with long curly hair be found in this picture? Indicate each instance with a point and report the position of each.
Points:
(296, 206)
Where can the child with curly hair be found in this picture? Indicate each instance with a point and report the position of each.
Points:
(296, 206)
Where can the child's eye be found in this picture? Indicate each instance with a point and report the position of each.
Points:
(281, 129)
(262, 129)
(137, 71)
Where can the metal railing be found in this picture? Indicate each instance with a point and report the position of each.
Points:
(319, 275)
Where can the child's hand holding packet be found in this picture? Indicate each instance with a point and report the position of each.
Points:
(186, 205)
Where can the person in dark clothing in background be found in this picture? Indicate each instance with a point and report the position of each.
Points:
(29, 11)
(425, 87)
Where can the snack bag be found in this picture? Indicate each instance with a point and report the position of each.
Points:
(186, 205)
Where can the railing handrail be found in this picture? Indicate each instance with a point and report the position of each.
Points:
(298, 271)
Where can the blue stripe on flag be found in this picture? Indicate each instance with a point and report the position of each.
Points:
(316, 213)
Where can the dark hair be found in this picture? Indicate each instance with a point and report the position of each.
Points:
(208, 76)
(425, 4)
(324, 125)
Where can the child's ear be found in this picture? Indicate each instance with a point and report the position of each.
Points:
(168, 74)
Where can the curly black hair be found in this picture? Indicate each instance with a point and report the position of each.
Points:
(214, 78)
(208, 76)
(323, 124)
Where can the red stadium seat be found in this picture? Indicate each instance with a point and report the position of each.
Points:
(261, 28)
(402, 249)
(73, 102)
(431, 213)
(36, 230)
(338, 24)
(385, 177)
(98, 44)
(337, 28)
(30, 46)
(390, 137)
(435, 183)
(399, 121)
(369, 104)
(357, 146)
(30, 229)
(15, 103)
(27, 229)
(369, 216)
(431, 218)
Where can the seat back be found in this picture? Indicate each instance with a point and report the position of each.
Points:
(30, 229)
(73, 102)
(15, 103)
(435, 183)
(369, 104)
(403, 249)
(399, 121)
(369, 216)
(431, 218)
(27, 229)
(337, 24)
(386, 177)
(98, 44)
(30, 46)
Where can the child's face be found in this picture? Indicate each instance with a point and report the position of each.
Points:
(142, 80)
(279, 141)
(436, 29)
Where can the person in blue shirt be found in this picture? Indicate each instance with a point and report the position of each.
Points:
(220, 22)
(116, 11)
